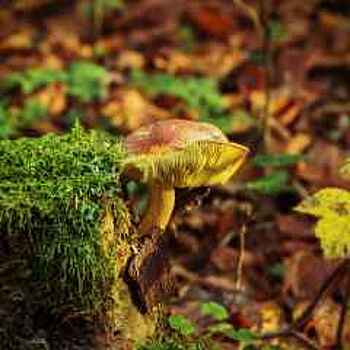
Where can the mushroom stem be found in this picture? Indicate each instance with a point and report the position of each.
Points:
(160, 206)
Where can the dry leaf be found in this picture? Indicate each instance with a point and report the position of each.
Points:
(298, 143)
(21, 40)
(129, 110)
(130, 59)
(53, 97)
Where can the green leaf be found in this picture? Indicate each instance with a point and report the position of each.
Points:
(215, 310)
(200, 94)
(276, 160)
(276, 270)
(33, 79)
(87, 81)
(32, 111)
(168, 345)
(332, 207)
(112, 4)
(258, 57)
(242, 335)
(241, 120)
(276, 31)
(181, 324)
(7, 127)
(221, 327)
(267, 347)
(187, 37)
(174, 345)
(271, 184)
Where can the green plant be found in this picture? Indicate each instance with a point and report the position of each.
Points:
(87, 81)
(33, 79)
(97, 10)
(32, 111)
(276, 271)
(276, 31)
(172, 344)
(272, 184)
(278, 180)
(12, 121)
(187, 37)
(200, 94)
(276, 160)
(111, 4)
(7, 123)
(181, 324)
(221, 326)
(216, 310)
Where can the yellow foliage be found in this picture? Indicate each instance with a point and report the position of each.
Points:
(332, 207)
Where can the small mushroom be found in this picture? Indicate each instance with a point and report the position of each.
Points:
(178, 153)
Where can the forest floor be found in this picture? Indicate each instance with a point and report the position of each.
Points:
(276, 80)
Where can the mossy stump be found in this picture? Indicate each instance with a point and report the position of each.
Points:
(65, 240)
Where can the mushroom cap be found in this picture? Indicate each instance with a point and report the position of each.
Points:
(182, 153)
(171, 134)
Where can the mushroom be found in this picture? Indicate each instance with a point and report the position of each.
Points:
(178, 153)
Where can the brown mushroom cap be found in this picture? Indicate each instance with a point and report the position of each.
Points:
(183, 153)
(170, 135)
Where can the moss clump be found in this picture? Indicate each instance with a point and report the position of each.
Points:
(59, 195)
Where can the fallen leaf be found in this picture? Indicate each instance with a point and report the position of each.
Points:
(53, 97)
(20, 40)
(129, 110)
(298, 143)
(211, 20)
(304, 274)
(130, 59)
(294, 227)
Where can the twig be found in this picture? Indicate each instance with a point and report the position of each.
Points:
(267, 49)
(300, 188)
(279, 128)
(305, 340)
(242, 234)
(260, 19)
(97, 17)
(286, 333)
(344, 307)
(300, 321)
(252, 14)
(292, 330)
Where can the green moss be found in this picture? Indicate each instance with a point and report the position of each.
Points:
(60, 194)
